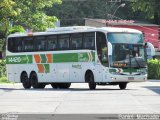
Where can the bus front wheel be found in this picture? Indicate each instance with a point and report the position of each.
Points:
(34, 82)
(25, 81)
(90, 79)
(122, 85)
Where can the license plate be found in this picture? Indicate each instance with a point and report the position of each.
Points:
(130, 78)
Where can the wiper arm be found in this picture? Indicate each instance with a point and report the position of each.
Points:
(137, 62)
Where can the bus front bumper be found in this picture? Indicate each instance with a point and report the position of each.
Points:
(127, 78)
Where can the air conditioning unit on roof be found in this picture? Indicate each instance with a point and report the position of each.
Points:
(60, 29)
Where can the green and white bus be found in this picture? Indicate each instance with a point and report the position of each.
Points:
(61, 56)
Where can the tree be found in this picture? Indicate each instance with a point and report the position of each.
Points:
(150, 7)
(16, 28)
(101, 9)
(32, 14)
(27, 13)
(7, 11)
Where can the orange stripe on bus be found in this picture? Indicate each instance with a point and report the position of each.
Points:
(40, 68)
(49, 58)
(37, 58)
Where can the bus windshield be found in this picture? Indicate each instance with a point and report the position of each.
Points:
(127, 54)
(130, 38)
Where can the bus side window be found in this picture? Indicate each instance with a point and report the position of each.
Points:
(40, 43)
(27, 44)
(76, 41)
(52, 43)
(18, 45)
(63, 42)
(89, 41)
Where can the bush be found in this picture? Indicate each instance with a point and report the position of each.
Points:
(154, 69)
(3, 80)
(2, 68)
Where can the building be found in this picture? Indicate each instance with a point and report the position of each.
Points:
(151, 31)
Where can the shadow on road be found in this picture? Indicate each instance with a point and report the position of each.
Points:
(51, 89)
(155, 89)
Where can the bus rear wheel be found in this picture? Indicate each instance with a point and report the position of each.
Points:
(34, 81)
(54, 85)
(25, 81)
(122, 85)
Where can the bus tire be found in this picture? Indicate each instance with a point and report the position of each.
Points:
(41, 85)
(54, 85)
(25, 81)
(34, 81)
(90, 79)
(122, 85)
(64, 85)
(61, 85)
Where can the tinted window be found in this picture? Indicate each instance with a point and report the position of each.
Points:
(40, 43)
(76, 41)
(20, 44)
(125, 38)
(52, 43)
(89, 41)
(14, 44)
(63, 42)
(102, 49)
(26, 44)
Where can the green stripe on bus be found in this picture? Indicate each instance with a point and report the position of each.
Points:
(130, 70)
(47, 68)
(18, 59)
(83, 57)
(43, 58)
(65, 57)
(57, 58)
(30, 59)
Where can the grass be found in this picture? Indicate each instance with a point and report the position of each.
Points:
(3, 80)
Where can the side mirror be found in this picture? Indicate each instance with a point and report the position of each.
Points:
(109, 48)
(150, 50)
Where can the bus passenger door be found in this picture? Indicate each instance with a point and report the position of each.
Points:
(98, 71)
(102, 55)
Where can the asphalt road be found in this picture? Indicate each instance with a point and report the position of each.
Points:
(141, 98)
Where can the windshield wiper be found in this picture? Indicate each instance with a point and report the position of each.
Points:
(137, 62)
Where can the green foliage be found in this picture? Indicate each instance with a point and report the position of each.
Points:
(27, 13)
(154, 69)
(2, 68)
(98, 9)
(8, 11)
(149, 7)
(16, 28)
(33, 16)
(4, 80)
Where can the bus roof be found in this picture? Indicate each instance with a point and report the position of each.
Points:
(75, 29)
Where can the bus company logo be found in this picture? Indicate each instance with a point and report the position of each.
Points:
(85, 57)
(81, 57)
(14, 59)
(77, 66)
